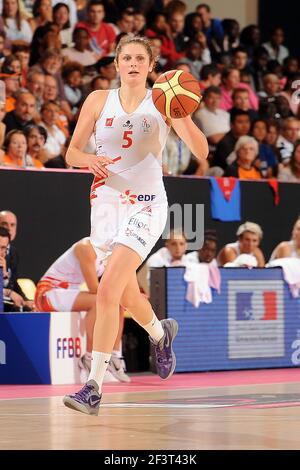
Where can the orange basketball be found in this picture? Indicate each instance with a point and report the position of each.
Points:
(176, 94)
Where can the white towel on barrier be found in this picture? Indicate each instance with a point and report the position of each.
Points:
(291, 272)
(198, 290)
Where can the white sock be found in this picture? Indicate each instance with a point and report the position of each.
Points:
(99, 365)
(154, 328)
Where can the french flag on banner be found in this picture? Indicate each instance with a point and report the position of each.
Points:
(225, 199)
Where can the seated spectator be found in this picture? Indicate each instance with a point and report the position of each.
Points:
(240, 59)
(250, 38)
(259, 68)
(80, 52)
(173, 254)
(16, 27)
(36, 137)
(65, 112)
(241, 100)
(212, 28)
(272, 105)
(23, 113)
(231, 80)
(36, 84)
(287, 139)
(106, 68)
(267, 163)
(56, 138)
(2, 46)
(139, 23)
(242, 161)
(206, 254)
(15, 148)
(291, 65)
(160, 62)
(45, 38)
(102, 34)
(291, 172)
(176, 155)
(23, 55)
(72, 74)
(210, 75)
(213, 121)
(12, 63)
(160, 28)
(61, 17)
(2, 125)
(196, 56)
(12, 84)
(99, 83)
(125, 23)
(9, 221)
(249, 237)
(240, 126)
(176, 22)
(51, 64)
(42, 14)
(291, 248)
(275, 46)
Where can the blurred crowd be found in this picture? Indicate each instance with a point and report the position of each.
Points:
(53, 54)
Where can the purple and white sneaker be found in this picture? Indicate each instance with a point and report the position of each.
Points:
(165, 357)
(87, 400)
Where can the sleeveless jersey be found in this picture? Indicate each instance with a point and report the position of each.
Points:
(66, 269)
(135, 141)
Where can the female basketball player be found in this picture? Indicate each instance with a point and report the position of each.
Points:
(129, 205)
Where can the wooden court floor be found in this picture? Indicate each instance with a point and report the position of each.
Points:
(215, 411)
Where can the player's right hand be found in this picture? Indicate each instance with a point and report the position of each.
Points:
(97, 166)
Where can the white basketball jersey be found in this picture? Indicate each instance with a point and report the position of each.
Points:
(135, 141)
(67, 268)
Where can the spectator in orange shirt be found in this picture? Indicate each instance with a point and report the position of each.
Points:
(15, 147)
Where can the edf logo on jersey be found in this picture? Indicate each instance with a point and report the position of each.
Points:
(128, 198)
(256, 305)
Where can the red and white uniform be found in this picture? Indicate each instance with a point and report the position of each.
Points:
(60, 285)
(130, 206)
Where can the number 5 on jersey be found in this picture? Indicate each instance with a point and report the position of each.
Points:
(127, 140)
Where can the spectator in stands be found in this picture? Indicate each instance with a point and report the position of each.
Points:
(15, 147)
(160, 28)
(36, 84)
(197, 55)
(176, 22)
(12, 84)
(51, 94)
(36, 137)
(125, 22)
(206, 254)
(72, 74)
(16, 27)
(45, 38)
(23, 113)
(267, 163)
(213, 121)
(56, 138)
(241, 100)
(99, 83)
(240, 59)
(22, 53)
(287, 139)
(231, 38)
(291, 172)
(193, 24)
(259, 68)
(210, 75)
(242, 161)
(290, 66)
(2, 46)
(8, 220)
(160, 62)
(12, 62)
(51, 64)
(80, 52)
(212, 28)
(272, 105)
(291, 248)
(139, 23)
(275, 46)
(71, 4)
(107, 69)
(176, 155)
(250, 38)
(172, 254)
(42, 14)
(61, 17)
(102, 34)
(240, 126)
(249, 237)
(230, 81)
